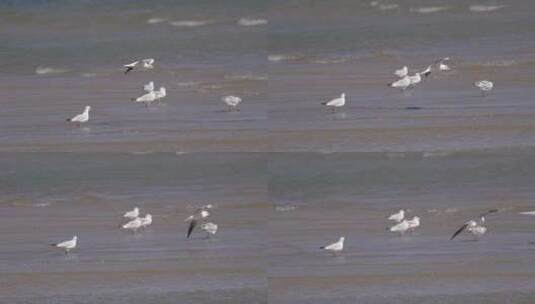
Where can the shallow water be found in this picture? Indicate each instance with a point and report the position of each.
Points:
(286, 175)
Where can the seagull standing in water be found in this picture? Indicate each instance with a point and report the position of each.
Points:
(401, 227)
(147, 98)
(81, 118)
(145, 63)
(335, 247)
(404, 71)
(67, 245)
(133, 225)
(474, 227)
(484, 86)
(398, 216)
(132, 214)
(232, 102)
(336, 103)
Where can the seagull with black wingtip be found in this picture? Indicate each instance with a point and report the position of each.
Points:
(475, 226)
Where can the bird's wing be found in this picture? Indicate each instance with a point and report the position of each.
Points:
(463, 227)
(192, 225)
(131, 65)
(77, 117)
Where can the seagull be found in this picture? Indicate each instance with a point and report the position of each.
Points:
(402, 83)
(147, 64)
(335, 247)
(397, 217)
(415, 79)
(404, 71)
(149, 87)
(200, 214)
(132, 214)
(474, 227)
(146, 221)
(67, 245)
(426, 72)
(414, 223)
(209, 228)
(133, 225)
(232, 102)
(336, 103)
(81, 118)
(401, 227)
(484, 86)
(147, 98)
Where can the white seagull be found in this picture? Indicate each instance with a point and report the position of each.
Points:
(133, 225)
(146, 63)
(402, 83)
(336, 103)
(132, 214)
(146, 221)
(149, 87)
(147, 98)
(484, 86)
(209, 228)
(398, 216)
(67, 245)
(81, 118)
(474, 227)
(401, 227)
(335, 247)
(442, 66)
(232, 102)
(404, 71)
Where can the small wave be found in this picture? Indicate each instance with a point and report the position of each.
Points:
(429, 9)
(386, 7)
(331, 60)
(282, 57)
(189, 23)
(188, 83)
(395, 155)
(141, 152)
(41, 205)
(246, 77)
(485, 8)
(49, 70)
(285, 208)
(252, 22)
(374, 3)
(88, 75)
(499, 63)
(435, 154)
(156, 20)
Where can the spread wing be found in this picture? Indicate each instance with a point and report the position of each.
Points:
(192, 225)
(463, 227)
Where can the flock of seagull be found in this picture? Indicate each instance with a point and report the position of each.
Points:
(404, 81)
(136, 222)
(150, 95)
(474, 227)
